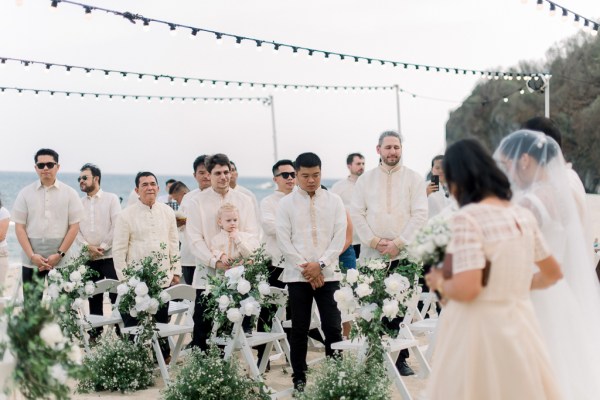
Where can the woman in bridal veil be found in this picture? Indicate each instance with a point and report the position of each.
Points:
(569, 311)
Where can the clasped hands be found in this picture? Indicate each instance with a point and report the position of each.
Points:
(387, 247)
(311, 271)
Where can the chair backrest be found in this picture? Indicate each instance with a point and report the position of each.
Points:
(182, 292)
(278, 296)
(106, 285)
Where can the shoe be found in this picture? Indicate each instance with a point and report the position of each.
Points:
(404, 369)
(299, 385)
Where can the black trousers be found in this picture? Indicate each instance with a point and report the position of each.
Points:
(162, 316)
(188, 274)
(27, 277)
(356, 250)
(301, 299)
(202, 326)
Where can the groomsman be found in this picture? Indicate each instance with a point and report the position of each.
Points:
(96, 229)
(389, 206)
(311, 232)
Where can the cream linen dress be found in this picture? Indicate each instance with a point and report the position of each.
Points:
(491, 348)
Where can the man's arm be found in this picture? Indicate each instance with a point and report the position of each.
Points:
(173, 246)
(194, 233)
(68, 240)
(283, 227)
(120, 245)
(36, 259)
(336, 246)
(418, 213)
(115, 210)
(267, 208)
(358, 213)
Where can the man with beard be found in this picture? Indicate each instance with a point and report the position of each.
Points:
(96, 228)
(389, 206)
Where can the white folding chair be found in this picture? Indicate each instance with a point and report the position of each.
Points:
(415, 319)
(89, 321)
(315, 323)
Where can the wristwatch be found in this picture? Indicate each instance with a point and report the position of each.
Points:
(61, 253)
(322, 265)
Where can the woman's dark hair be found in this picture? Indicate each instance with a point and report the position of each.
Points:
(525, 141)
(470, 168)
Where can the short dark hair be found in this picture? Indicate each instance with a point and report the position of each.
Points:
(142, 174)
(177, 187)
(46, 152)
(350, 158)
(170, 180)
(524, 141)
(307, 160)
(93, 169)
(545, 125)
(217, 159)
(233, 165)
(279, 163)
(471, 170)
(438, 157)
(199, 161)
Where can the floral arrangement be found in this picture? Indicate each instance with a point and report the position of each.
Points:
(72, 282)
(208, 376)
(429, 245)
(240, 291)
(45, 359)
(348, 378)
(375, 291)
(117, 364)
(142, 293)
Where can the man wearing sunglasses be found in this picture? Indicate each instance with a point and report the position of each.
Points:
(100, 212)
(46, 214)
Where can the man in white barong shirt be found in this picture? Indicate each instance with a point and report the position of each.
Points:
(311, 233)
(388, 207)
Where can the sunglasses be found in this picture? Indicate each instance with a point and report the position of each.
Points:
(42, 165)
(286, 175)
(82, 178)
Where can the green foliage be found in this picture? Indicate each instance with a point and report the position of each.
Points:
(117, 364)
(345, 378)
(209, 377)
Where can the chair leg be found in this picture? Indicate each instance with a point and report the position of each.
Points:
(393, 373)
(161, 361)
(265, 357)
(177, 350)
(249, 357)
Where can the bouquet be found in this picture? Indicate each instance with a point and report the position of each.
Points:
(375, 291)
(240, 291)
(73, 283)
(142, 293)
(429, 245)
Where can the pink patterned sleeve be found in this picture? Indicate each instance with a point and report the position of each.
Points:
(466, 244)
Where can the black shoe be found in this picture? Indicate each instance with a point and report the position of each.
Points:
(299, 385)
(404, 369)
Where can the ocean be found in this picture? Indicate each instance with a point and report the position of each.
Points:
(122, 185)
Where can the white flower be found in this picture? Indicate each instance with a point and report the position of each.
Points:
(53, 273)
(122, 289)
(243, 286)
(75, 276)
(367, 279)
(59, 373)
(249, 306)
(352, 275)
(75, 355)
(141, 289)
(133, 282)
(133, 312)
(165, 297)
(366, 312)
(390, 308)
(223, 302)
(77, 303)
(441, 240)
(89, 288)
(396, 284)
(142, 303)
(52, 335)
(264, 288)
(234, 274)
(377, 264)
(137, 267)
(363, 289)
(428, 247)
(53, 290)
(153, 306)
(81, 269)
(234, 315)
(68, 287)
(345, 299)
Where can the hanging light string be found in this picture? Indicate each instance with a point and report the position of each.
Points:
(136, 97)
(296, 49)
(579, 20)
(185, 80)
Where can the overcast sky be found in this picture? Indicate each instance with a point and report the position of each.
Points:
(124, 137)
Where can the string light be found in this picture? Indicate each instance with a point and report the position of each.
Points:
(134, 17)
(588, 23)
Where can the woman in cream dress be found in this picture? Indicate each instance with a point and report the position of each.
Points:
(489, 343)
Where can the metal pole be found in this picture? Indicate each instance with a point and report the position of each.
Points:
(547, 97)
(398, 107)
(272, 104)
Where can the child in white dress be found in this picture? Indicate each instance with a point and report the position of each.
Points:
(230, 244)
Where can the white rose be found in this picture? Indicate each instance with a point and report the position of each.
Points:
(77, 303)
(52, 274)
(133, 312)
(82, 269)
(234, 274)
(75, 276)
(377, 264)
(366, 312)
(122, 289)
(396, 284)
(59, 373)
(390, 308)
(243, 286)
(264, 288)
(165, 297)
(53, 290)
(234, 315)
(141, 289)
(250, 306)
(75, 355)
(142, 303)
(89, 288)
(51, 335)
(345, 299)
(133, 282)
(441, 240)
(223, 302)
(153, 306)
(429, 247)
(352, 275)
(363, 289)
(367, 279)
(68, 287)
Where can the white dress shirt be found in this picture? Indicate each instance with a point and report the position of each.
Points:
(242, 246)
(311, 229)
(437, 201)
(268, 211)
(248, 192)
(47, 213)
(388, 205)
(187, 257)
(344, 189)
(97, 225)
(139, 231)
(202, 226)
